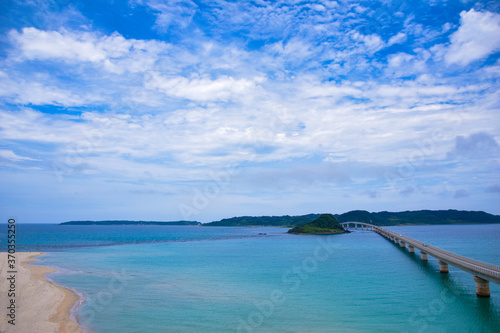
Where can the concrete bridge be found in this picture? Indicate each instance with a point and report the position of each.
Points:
(482, 273)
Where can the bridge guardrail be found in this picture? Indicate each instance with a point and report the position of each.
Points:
(446, 256)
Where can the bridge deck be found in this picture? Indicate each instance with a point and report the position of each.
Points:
(484, 270)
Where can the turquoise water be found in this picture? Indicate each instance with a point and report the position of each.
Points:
(54, 237)
(203, 279)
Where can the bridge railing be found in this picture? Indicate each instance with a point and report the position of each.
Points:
(449, 257)
(483, 273)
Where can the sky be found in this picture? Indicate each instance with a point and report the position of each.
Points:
(206, 109)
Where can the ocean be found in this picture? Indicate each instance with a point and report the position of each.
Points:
(237, 279)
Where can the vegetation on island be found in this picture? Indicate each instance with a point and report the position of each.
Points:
(124, 222)
(268, 221)
(381, 218)
(325, 224)
(450, 216)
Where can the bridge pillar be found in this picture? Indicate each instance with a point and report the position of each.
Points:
(482, 287)
(443, 267)
(423, 256)
(356, 226)
(396, 240)
(411, 249)
(403, 244)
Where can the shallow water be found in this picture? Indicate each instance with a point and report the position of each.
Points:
(204, 279)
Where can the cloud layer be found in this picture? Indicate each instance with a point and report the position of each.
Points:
(204, 110)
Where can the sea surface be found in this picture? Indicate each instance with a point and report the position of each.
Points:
(236, 279)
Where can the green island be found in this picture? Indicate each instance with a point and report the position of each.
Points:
(268, 221)
(325, 224)
(419, 217)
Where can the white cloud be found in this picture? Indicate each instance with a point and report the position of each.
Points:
(372, 42)
(38, 93)
(477, 37)
(39, 44)
(10, 155)
(396, 60)
(173, 13)
(201, 89)
(397, 39)
(310, 88)
(295, 48)
(114, 53)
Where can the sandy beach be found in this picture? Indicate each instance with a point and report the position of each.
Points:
(41, 306)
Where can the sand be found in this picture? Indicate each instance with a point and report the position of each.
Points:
(41, 306)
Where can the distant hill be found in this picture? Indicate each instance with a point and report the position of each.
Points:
(420, 217)
(381, 218)
(324, 224)
(124, 222)
(274, 221)
(359, 216)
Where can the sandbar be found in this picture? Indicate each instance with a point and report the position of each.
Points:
(41, 306)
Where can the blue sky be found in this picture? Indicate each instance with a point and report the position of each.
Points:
(202, 110)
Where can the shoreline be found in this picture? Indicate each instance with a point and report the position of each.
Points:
(43, 305)
(81, 299)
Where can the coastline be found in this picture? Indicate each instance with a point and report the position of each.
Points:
(42, 306)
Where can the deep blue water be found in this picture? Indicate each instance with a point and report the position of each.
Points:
(224, 279)
(54, 237)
